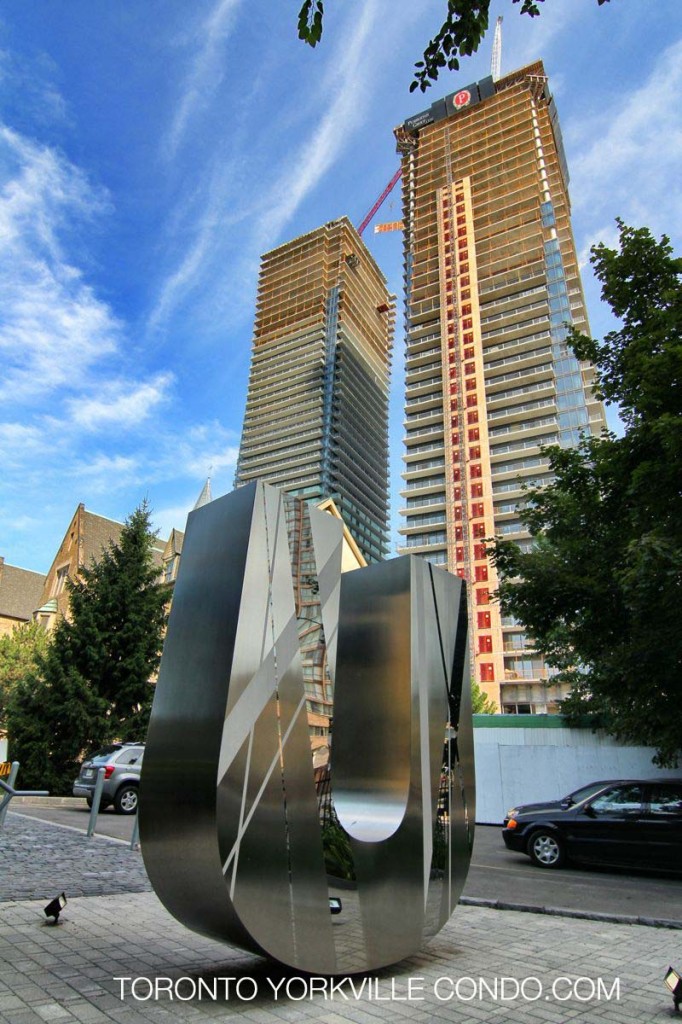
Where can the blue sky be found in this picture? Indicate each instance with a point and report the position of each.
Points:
(151, 150)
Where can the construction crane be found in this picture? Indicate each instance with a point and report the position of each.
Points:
(384, 195)
(496, 59)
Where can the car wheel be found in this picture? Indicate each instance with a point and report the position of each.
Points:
(125, 801)
(546, 849)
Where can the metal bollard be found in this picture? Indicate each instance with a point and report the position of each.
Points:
(8, 791)
(135, 838)
(96, 797)
(11, 779)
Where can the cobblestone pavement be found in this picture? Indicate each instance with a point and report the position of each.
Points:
(486, 965)
(38, 860)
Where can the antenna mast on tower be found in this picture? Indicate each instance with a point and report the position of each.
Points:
(496, 59)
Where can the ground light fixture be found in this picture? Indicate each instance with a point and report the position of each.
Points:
(55, 907)
(674, 982)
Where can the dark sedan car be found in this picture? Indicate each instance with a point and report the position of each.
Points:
(629, 823)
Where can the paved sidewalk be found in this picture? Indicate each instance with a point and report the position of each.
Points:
(486, 965)
(67, 973)
(38, 860)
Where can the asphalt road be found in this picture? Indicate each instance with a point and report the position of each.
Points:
(495, 872)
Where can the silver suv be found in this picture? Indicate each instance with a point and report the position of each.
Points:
(122, 763)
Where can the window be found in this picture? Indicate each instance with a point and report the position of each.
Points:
(479, 530)
(487, 673)
(472, 417)
(477, 490)
(60, 580)
(666, 802)
(130, 755)
(485, 644)
(618, 802)
(518, 709)
(481, 573)
(474, 434)
(483, 620)
(483, 596)
(479, 551)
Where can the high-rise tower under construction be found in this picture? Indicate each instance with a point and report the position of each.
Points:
(316, 421)
(491, 279)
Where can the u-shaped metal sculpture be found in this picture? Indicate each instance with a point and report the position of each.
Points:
(229, 815)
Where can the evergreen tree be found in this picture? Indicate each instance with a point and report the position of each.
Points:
(601, 592)
(94, 683)
(117, 613)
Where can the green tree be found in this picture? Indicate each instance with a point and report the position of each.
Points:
(481, 703)
(19, 651)
(93, 684)
(466, 23)
(602, 590)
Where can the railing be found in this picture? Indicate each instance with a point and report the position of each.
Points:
(10, 791)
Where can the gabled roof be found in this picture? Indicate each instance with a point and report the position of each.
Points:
(20, 591)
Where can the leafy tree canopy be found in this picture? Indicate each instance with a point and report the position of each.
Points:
(19, 652)
(460, 35)
(601, 592)
(481, 704)
(93, 683)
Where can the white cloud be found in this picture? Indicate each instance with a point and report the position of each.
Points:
(342, 94)
(53, 329)
(205, 449)
(172, 517)
(205, 74)
(630, 153)
(121, 404)
(106, 473)
(607, 233)
(347, 85)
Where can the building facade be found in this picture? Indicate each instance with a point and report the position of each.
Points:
(491, 279)
(316, 421)
(88, 536)
(20, 591)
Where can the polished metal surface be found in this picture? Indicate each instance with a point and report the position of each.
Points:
(235, 841)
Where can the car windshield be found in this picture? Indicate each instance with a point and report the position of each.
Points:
(104, 754)
(584, 792)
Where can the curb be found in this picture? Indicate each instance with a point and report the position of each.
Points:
(584, 915)
(48, 801)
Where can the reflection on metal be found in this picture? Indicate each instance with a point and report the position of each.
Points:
(234, 840)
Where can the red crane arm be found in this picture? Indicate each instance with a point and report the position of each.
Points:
(387, 191)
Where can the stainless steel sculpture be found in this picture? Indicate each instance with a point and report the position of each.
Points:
(230, 818)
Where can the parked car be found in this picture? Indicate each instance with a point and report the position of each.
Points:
(625, 823)
(122, 763)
